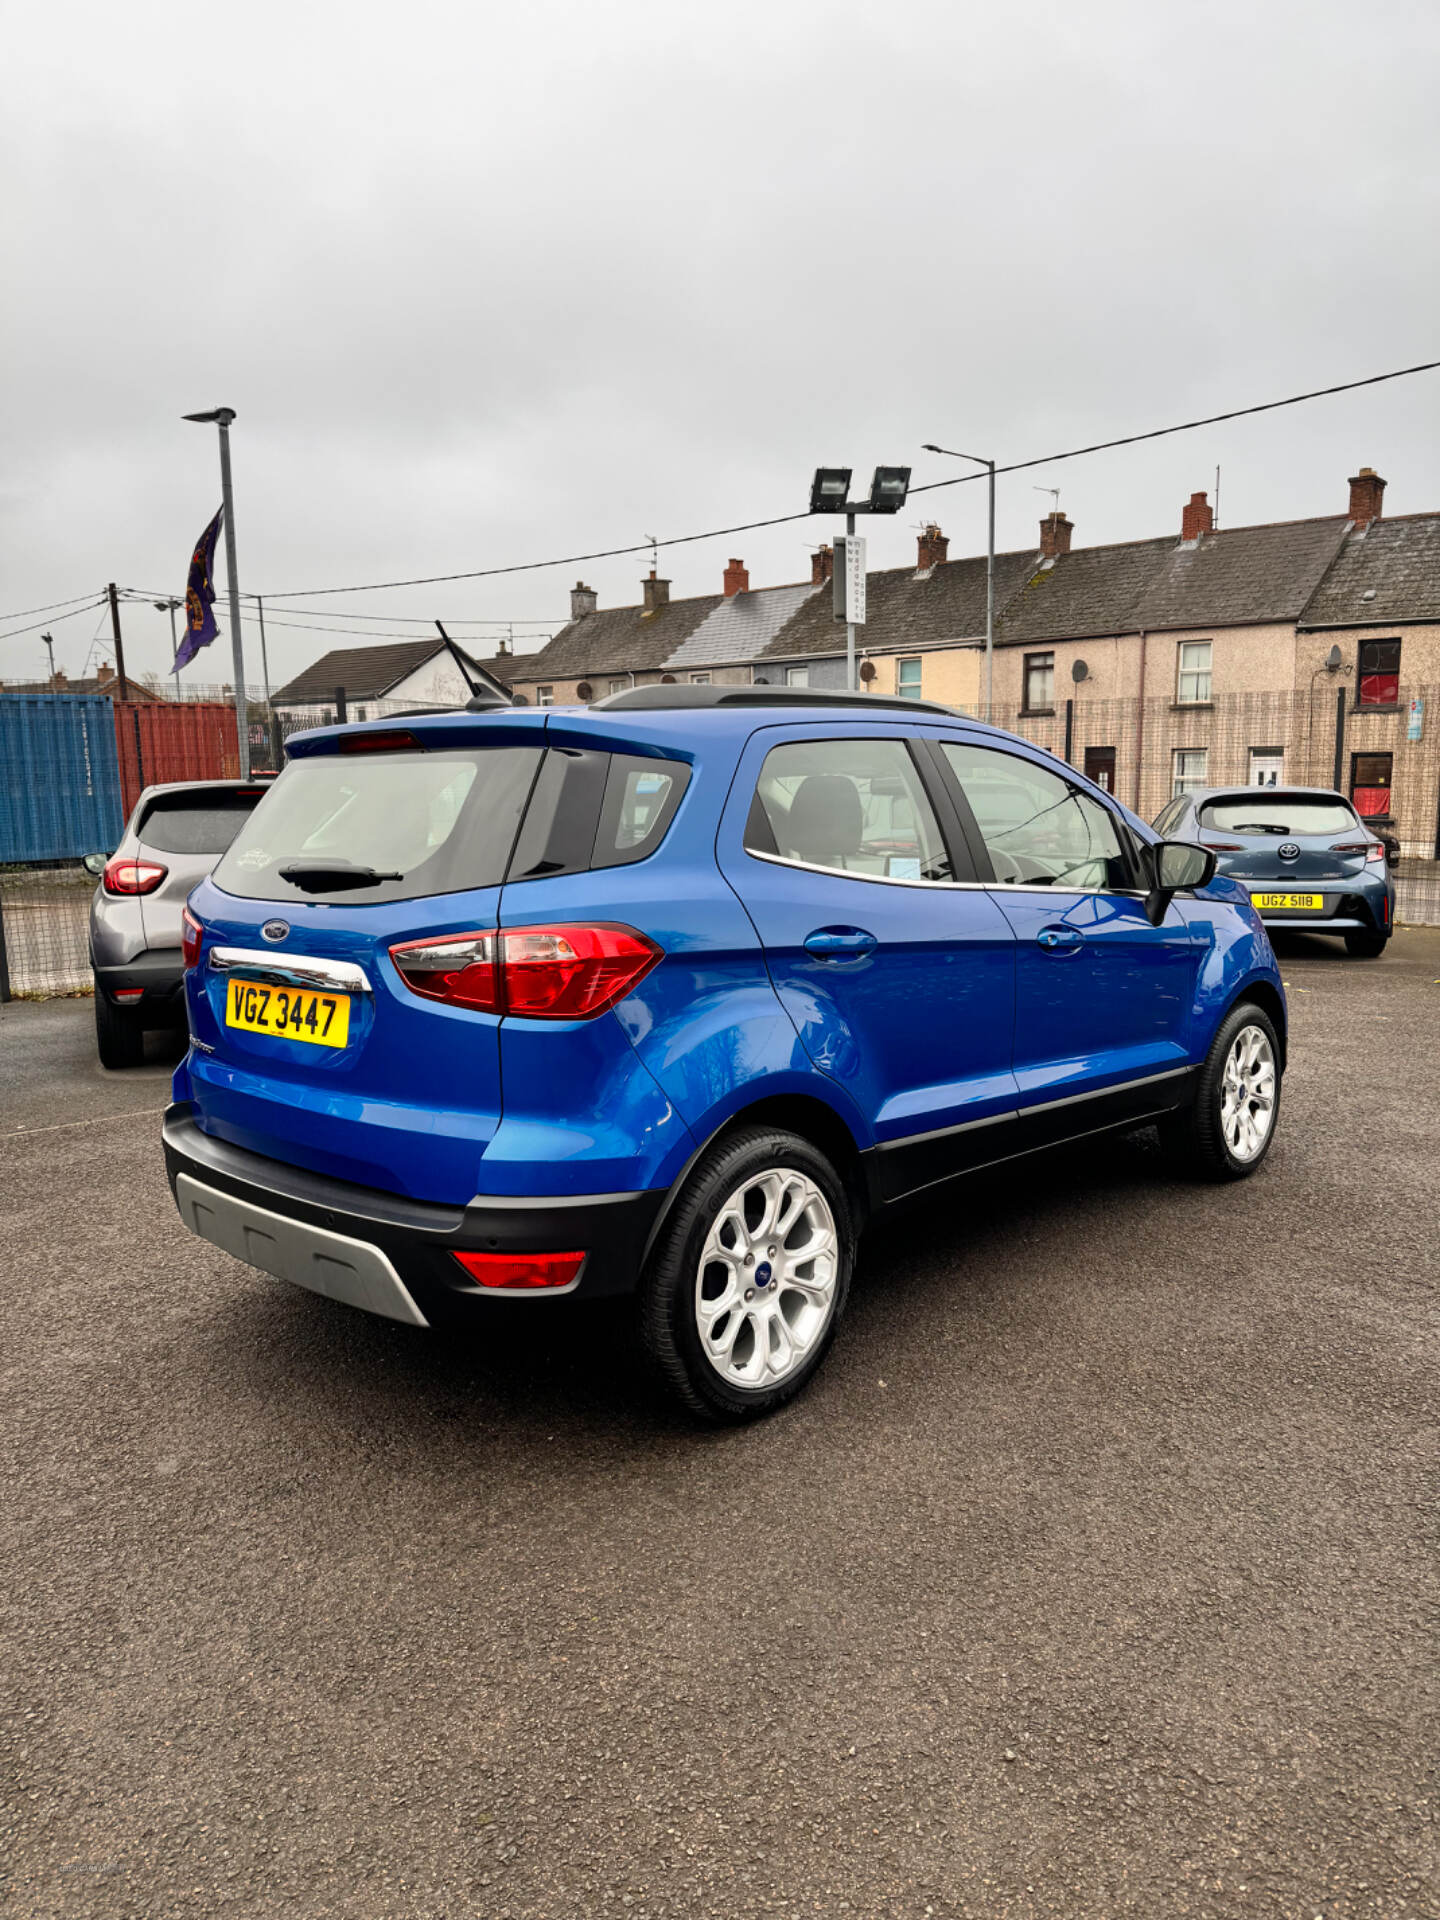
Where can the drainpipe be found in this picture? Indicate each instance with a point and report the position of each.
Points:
(1140, 728)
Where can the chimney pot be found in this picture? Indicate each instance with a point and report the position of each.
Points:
(1197, 518)
(737, 579)
(1367, 497)
(822, 565)
(1055, 532)
(931, 548)
(583, 600)
(657, 593)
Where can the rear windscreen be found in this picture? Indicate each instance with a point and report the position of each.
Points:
(195, 822)
(444, 822)
(1278, 813)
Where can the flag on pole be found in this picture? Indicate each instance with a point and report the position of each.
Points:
(200, 628)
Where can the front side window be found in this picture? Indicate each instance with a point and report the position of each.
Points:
(852, 806)
(544, 696)
(1370, 775)
(1038, 830)
(1189, 770)
(1039, 682)
(1193, 685)
(907, 678)
(797, 676)
(1378, 673)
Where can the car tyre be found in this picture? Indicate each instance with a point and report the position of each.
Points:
(745, 1285)
(1229, 1128)
(119, 1036)
(1366, 946)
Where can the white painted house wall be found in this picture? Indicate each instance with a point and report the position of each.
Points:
(438, 682)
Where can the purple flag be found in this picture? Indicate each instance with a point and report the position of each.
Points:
(200, 628)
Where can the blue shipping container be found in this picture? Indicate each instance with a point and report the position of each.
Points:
(59, 776)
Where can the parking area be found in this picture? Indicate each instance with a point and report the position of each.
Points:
(1090, 1578)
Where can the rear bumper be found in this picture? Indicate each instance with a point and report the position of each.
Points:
(1342, 913)
(158, 976)
(387, 1253)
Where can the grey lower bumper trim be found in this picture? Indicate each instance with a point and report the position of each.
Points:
(328, 1263)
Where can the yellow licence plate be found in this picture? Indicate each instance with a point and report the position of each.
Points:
(288, 1012)
(1287, 902)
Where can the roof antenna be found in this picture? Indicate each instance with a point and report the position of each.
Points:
(654, 555)
(1215, 516)
(1054, 493)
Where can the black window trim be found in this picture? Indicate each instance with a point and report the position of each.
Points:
(958, 849)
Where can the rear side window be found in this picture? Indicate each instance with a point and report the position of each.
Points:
(444, 822)
(596, 810)
(1266, 811)
(852, 806)
(196, 822)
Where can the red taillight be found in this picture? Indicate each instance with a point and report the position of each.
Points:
(544, 973)
(523, 1271)
(191, 934)
(1377, 852)
(124, 875)
(396, 740)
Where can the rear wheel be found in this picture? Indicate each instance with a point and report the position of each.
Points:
(119, 1036)
(743, 1292)
(1230, 1127)
(1366, 946)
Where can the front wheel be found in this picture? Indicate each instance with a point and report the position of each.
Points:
(1230, 1127)
(1366, 946)
(745, 1287)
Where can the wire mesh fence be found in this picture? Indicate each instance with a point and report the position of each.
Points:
(45, 930)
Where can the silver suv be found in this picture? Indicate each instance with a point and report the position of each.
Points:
(175, 836)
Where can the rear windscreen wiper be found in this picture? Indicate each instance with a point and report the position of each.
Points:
(1258, 826)
(332, 876)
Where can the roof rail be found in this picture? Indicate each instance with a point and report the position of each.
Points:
(655, 698)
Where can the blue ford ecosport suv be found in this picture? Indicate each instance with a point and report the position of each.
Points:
(670, 995)
(1303, 854)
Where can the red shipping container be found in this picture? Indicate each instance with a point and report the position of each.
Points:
(173, 741)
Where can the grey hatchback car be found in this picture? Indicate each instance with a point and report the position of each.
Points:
(175, 836)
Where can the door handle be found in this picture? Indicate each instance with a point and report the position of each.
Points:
(840, 943)
(1060, 940)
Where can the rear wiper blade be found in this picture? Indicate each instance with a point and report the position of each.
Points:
(332, 876)
(1257, 826)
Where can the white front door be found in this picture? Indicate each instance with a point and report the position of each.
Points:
(1267, 766)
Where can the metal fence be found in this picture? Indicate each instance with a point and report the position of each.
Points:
(45, 930)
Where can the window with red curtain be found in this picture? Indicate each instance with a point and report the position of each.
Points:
(1370, 783)
(1379, 673)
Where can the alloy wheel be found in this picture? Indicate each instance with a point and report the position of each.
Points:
(765, 1288)
(1247, 1093)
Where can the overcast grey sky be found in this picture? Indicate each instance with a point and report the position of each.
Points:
(493, 283)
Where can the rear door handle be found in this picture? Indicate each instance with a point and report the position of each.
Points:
(1060, 940)
(840, 943)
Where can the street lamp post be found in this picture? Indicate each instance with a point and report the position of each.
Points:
(222, 417)
(980, 461)
(173, 606)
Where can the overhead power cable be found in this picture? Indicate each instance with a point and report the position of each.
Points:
(54, 621)
(22, 613)
(786, 519)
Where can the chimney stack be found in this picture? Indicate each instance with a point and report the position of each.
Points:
(657, 593)
(59, 681)
(583, 600)
(1367, 497)
(103, 673)
(1055, 532)
(1197, 518)
(737, 579)
(931, 548)
(822, 565)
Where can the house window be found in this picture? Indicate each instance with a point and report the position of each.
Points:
(361, 714)
(618, 686)
(1378, 672)
(907, 678)
(1192, 687)
(1370, 784)
(797, 676)
(1039, 683)
(699, 679)
(544, 696)
(1190, 766)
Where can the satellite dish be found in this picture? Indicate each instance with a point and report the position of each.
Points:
(1078, 670)
(584, 691)
(867, 670)
(1332, 660)
(667, 679)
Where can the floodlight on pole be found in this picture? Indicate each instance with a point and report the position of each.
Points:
(222, 417)
(830, 493)
(980, 461)
(172, 606)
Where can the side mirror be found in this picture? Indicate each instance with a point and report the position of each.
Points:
(94, 863)
(1176, 866)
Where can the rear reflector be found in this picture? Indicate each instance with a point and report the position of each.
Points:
(395, 741)
(126, 995)
(123, 875)
(522, 1272)
(544, 973)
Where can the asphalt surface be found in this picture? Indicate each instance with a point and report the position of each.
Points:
(1089, 1579)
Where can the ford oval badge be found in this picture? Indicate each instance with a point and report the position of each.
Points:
(275, 930)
